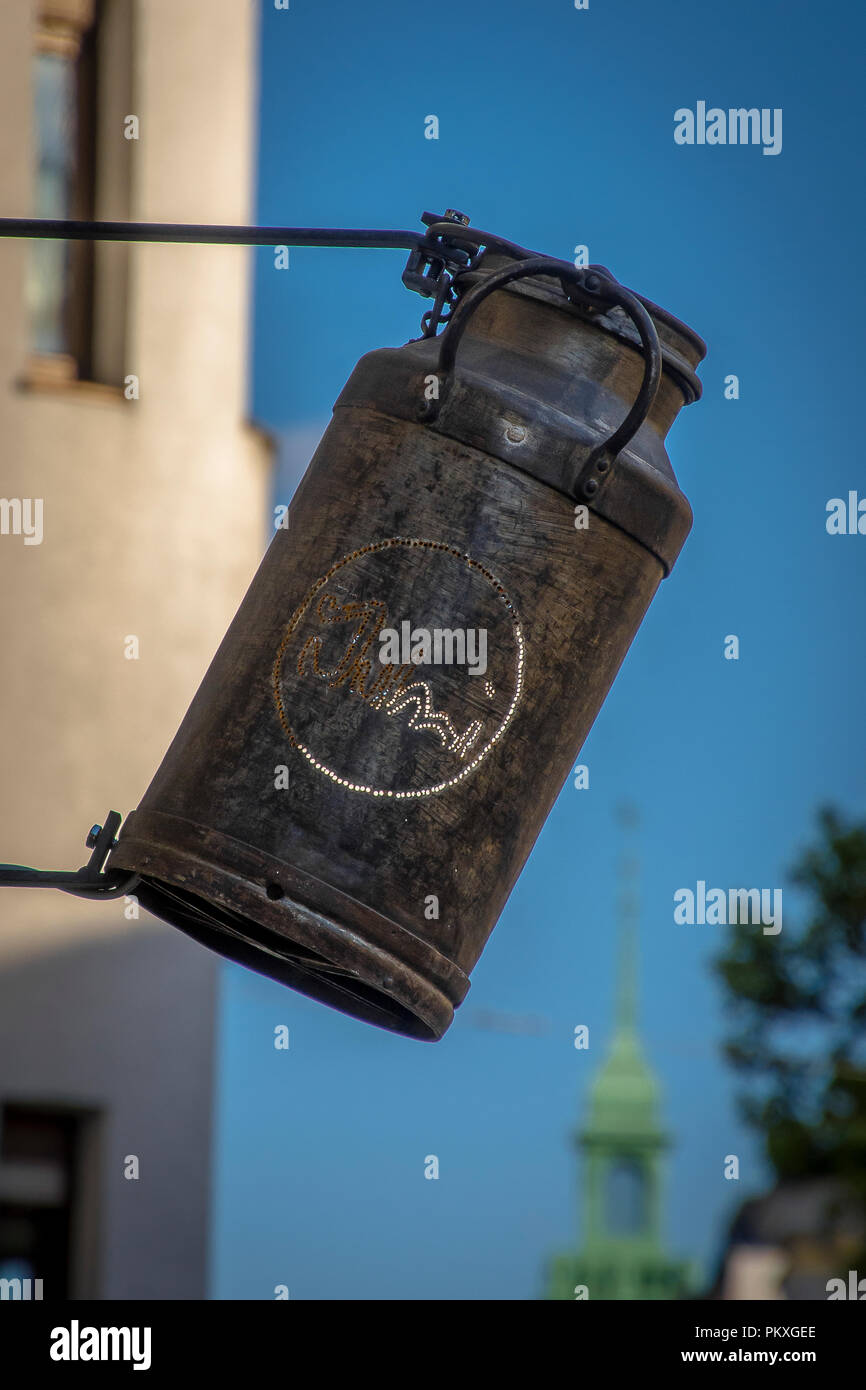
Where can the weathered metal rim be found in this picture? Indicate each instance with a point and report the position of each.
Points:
(183, 883)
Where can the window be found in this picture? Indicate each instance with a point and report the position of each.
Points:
(60, 286)
(48, 1198)
(76, 290)
(626, 1198)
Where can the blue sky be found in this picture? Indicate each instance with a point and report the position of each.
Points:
(556, 129)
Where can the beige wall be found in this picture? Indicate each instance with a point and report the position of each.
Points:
(154, 510)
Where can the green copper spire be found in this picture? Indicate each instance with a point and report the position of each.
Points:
(624, 1099)
(629, 917)
(623, 1141)
(629, 913)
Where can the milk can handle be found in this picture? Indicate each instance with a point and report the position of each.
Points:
(595, 289)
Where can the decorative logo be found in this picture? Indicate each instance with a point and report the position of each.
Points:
(403, 729)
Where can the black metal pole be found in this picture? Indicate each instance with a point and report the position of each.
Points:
(208, 234)
(458, 234)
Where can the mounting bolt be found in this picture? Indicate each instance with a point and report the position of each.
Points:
(590, 486)
(92, 836)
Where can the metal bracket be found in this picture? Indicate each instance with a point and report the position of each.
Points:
(88, 882)
(433, 267)
(430, 262)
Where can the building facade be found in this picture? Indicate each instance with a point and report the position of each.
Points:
(133, 516)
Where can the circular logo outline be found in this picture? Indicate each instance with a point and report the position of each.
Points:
(371, 548)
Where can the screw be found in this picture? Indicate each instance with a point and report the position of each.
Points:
(92, 836)
(590, 486)
(515, 434)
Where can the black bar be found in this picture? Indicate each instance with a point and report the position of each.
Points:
(226, 1341)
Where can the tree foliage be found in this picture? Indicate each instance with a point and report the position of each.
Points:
(798, 1010)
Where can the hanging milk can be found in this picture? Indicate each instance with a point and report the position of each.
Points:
(415, 666)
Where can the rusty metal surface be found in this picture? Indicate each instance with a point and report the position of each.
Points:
(409, 781)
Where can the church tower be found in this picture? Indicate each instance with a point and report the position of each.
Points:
(623, 1143)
